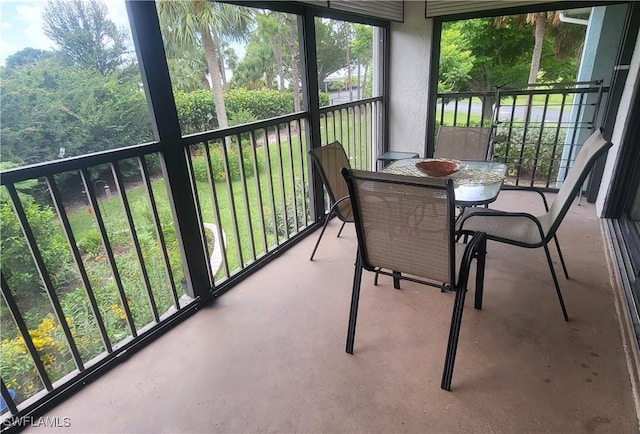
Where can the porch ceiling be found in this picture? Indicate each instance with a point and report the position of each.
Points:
(269, 355)
(436, 8)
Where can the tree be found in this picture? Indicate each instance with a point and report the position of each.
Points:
(456, 60)
(204, 24)
(85, 35)
(44, 109)
(330, 50)
(362, 49)
(565, 39)
(27, 57)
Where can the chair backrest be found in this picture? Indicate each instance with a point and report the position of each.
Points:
(329, 160)
(404, 223)
(463, 143)
(592, 149)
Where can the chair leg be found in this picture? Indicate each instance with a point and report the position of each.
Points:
(341, 228)
(555, 282)
(355, 297)
(564, 267)
(480, 263)
(396, 279)
(324, 226)
(454, 333)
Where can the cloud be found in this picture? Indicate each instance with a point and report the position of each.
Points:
(21, 24)
(21, 27)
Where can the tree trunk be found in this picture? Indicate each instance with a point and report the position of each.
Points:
(364, 80)
(347, 41)
(295, 72)
(541, 22)
(359, 84)
(223, 73)
(216, 78)
(277, 53)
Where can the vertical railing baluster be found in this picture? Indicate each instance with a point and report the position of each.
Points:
(468, 123)
(4, 392)
(245, 196)
(333, 121)
(455, 111)
(536, 158)
(44, 274)
(361, 147)
(258, 188)
(198, 211)
(303, 171)
(326, 130)
(283, 193)
(556, 138)
(24, 332)
(294, 190)
(157, 226)
(56, 198)
(216, 210)
(124, 200)
(97, 214)
(232, 202)
(574, 134)
(271, 192)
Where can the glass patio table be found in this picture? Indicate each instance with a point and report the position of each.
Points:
(475, 183)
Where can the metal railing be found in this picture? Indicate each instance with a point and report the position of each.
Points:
(537, 129)
(356, 126)
(98, 269)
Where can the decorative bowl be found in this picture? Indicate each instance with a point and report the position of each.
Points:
(438, 168)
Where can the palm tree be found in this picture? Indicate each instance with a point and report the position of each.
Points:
(205, 24)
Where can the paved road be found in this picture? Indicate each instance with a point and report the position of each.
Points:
(552, 114)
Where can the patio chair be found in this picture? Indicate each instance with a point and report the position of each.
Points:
(329, 159)
(526, 230)
(463, 143)
(405, 229)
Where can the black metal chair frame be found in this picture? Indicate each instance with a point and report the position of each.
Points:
(335, 209)
(475, 249)
(551, 233)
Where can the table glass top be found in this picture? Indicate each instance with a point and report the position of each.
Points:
(476, 183)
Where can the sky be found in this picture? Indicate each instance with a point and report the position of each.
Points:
(21, 24)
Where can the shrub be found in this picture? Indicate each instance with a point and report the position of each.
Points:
(91, 243)
(523, 154)
(17, 263)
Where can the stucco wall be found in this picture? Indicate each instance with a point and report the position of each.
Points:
(409, 73)
(622, 119)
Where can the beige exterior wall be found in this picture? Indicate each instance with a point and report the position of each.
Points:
(409, 79)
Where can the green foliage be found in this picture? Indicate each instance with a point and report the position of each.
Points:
(196, 110)
(293, 212)
(91, 243)
(17, 265)
(44, 107)
(523, 154)
(456, 61)
(330, 49)
(86, 37)
(201, 171)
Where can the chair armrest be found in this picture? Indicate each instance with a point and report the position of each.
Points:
(530, 189)
(500, 214)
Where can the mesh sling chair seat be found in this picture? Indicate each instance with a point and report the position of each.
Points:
(526, 230)
(329, 160)
(406, 225)
(463, 143)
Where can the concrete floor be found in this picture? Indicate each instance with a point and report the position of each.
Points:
(269, 355)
